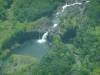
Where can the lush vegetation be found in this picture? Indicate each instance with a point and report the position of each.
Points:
(13, 25)
(75, 46)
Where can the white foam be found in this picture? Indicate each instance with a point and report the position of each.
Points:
(41, 41)
(44, 37)
(55, 25)
(65, 6)
(87, 1)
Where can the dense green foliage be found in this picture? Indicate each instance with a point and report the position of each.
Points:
(28, 10)
(19, 64)
(74, 49)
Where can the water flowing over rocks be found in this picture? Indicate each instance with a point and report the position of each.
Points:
(56, 19)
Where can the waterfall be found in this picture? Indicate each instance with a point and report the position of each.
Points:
(55, 25)
(65, 6)
(44, 37)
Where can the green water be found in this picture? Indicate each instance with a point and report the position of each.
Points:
(32, 48)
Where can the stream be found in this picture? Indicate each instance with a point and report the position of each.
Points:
(38, 48)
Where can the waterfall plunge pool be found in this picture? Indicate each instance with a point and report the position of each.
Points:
(32, 48)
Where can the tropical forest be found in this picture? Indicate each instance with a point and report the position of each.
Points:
(49, 37)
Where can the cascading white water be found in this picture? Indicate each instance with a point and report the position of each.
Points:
(65, 6)
(55, 25)
(44, 37)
